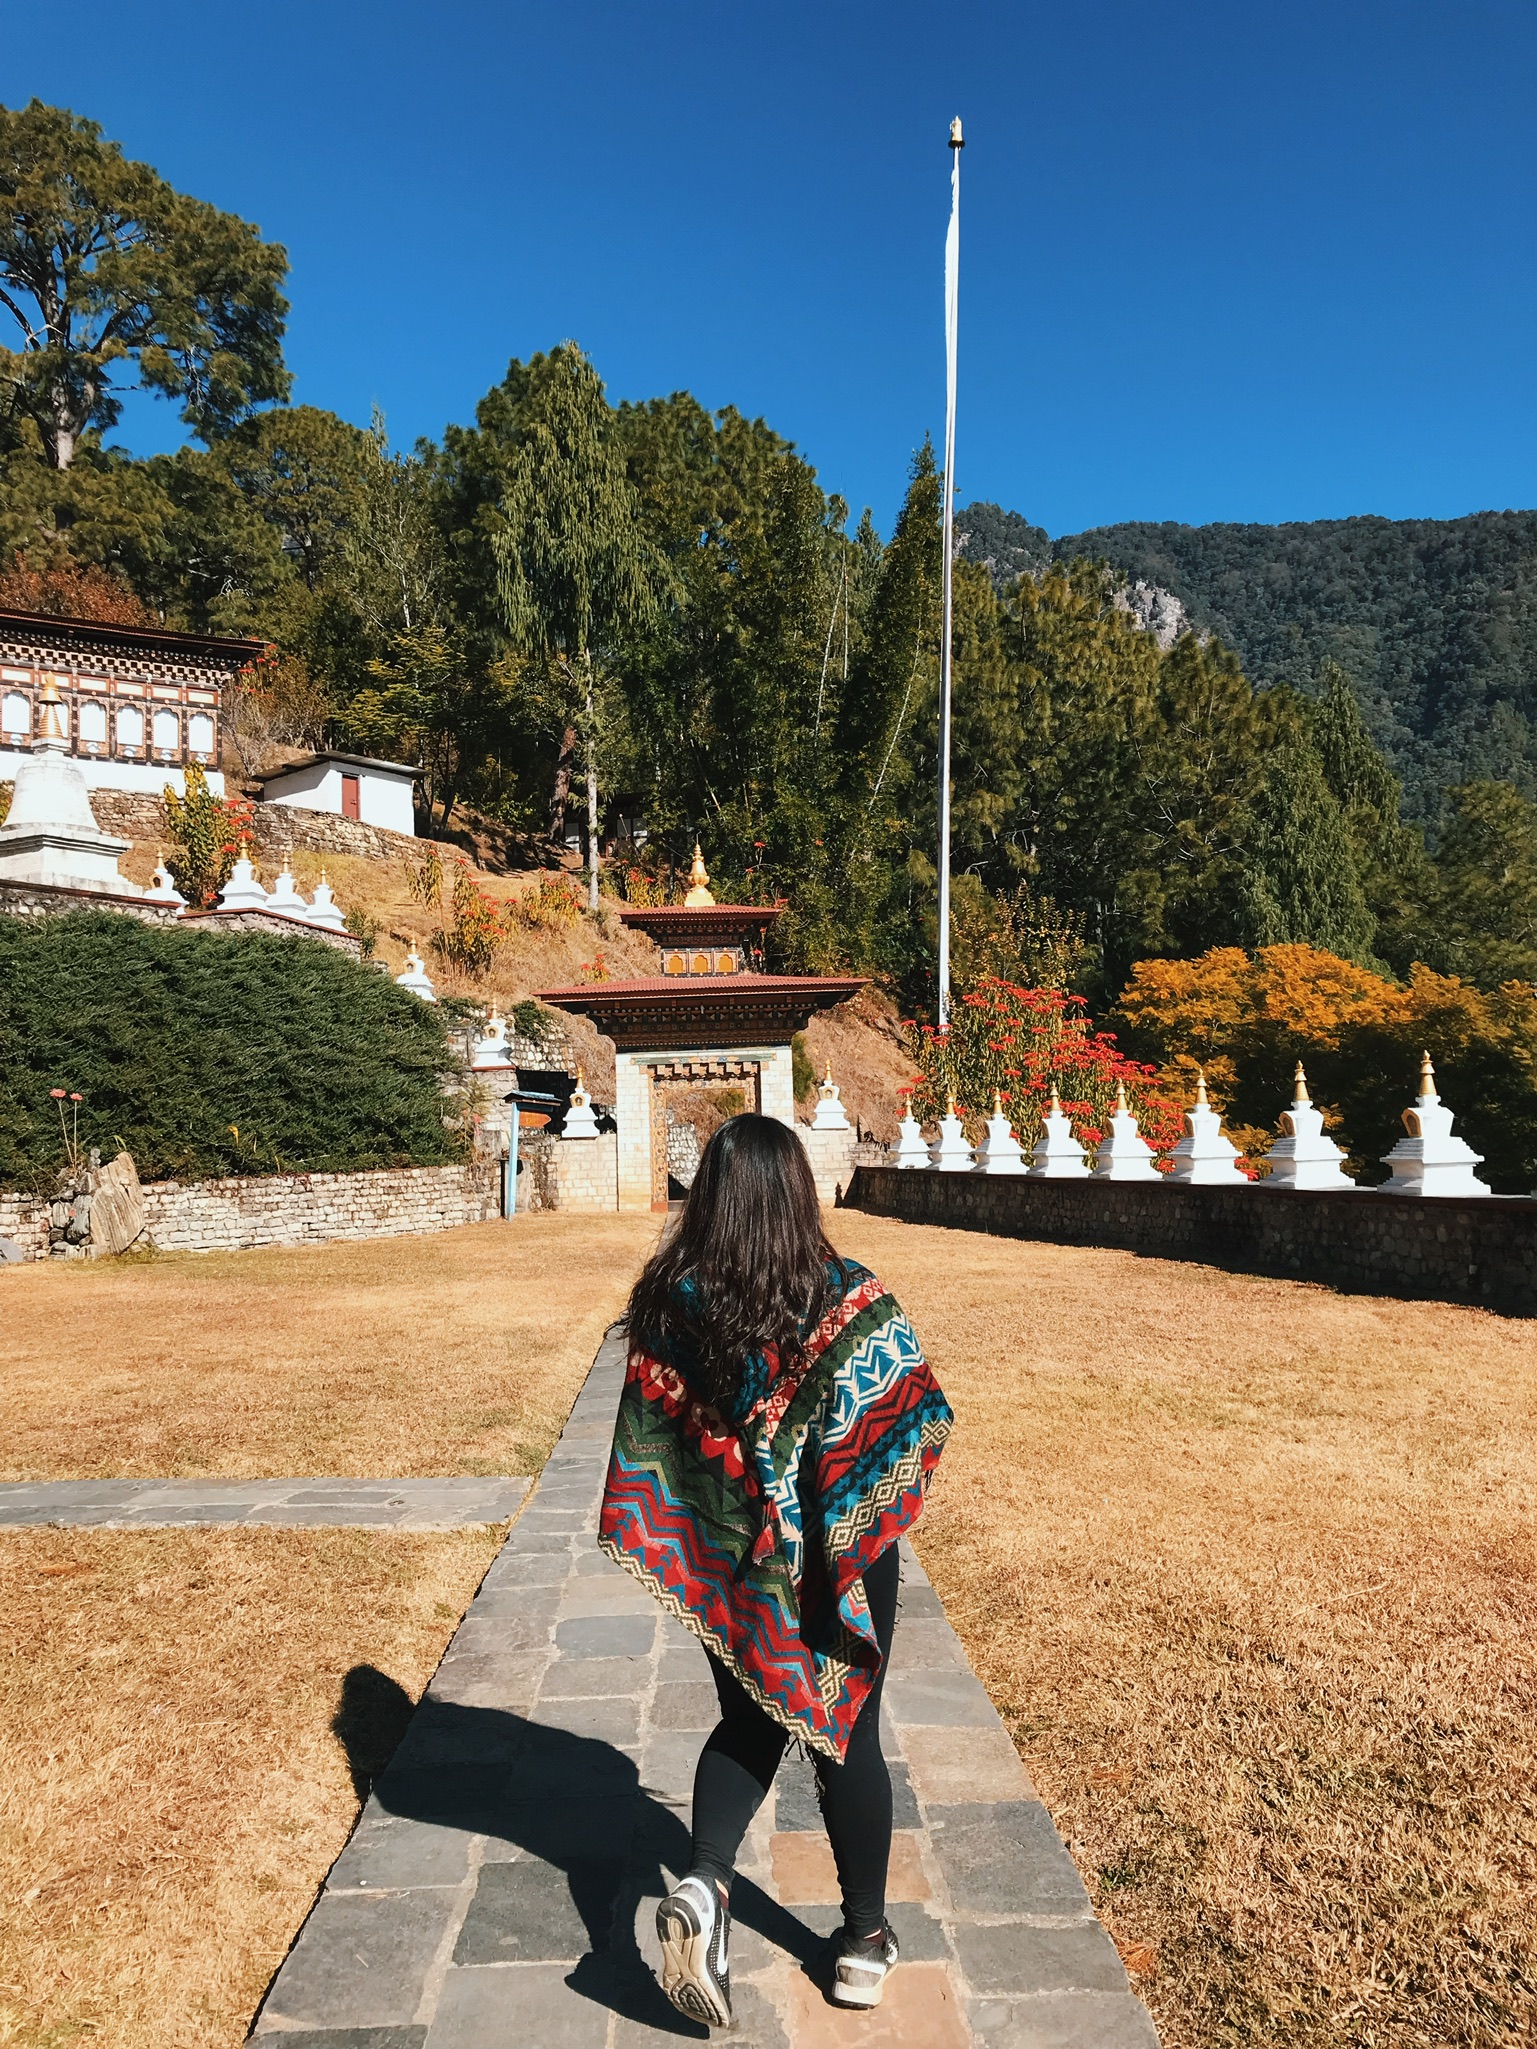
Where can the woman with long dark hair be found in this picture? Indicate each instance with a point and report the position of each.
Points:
(777, 1430)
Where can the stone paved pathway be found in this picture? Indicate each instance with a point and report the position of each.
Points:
(159, 1504)
(499, 1890)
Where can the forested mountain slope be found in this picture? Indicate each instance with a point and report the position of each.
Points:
(1435, 620)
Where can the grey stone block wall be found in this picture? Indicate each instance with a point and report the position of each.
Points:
(240, 1212)
(307, 1209)
(1479, 1249)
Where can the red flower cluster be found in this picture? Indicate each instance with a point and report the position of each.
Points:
(1021, 1043)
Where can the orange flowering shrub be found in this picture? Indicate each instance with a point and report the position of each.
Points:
(1021, 1043)
(1248, 1019)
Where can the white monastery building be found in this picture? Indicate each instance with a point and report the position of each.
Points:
(138, 704)
(349, 786)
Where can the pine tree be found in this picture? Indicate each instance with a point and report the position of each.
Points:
(578, 571)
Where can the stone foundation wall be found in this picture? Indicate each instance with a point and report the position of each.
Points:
(239, 1212)
(276, 828)
(579, 1175)
(24, 1220)
(1480, 1249)
(45, 900)
(831, 1154)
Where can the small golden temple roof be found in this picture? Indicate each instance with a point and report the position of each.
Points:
(699, 896)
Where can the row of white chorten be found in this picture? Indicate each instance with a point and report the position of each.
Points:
(244, 892)
(1428, 1160)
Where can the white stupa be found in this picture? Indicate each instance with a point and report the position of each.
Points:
(1058, 1156)
(1124, 1154)
(285, 898)
(417, 979)
(243, 892)
(1428, 1160)
(50, 834)
(1303, 1156)
(912, 1148)
(581, 1120)
(1000, 1151)
(491, 1048)
(323, 911)
(1204, 1157)
(950, 1154)
(164, 890)
(830, 1115)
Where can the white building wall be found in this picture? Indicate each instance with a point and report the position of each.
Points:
(776, 1084)
(148, 776)
(632, 1114)
(383, 800)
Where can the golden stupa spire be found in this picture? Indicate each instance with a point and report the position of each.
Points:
(1120, 1099)
(1301, 1099)
(1056, 1101)
(1200, 1089)
(997, 1102)
(699, 897)
(51, 725)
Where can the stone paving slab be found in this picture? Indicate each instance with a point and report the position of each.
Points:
(447, 1504)
(500, 1887)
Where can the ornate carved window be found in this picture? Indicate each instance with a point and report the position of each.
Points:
(91, 727)
(15, 716)
(167, 733)
(200, 733)
(130, 728)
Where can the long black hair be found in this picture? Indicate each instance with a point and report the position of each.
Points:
(747, 1265)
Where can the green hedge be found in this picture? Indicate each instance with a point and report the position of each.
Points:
(208, 1053)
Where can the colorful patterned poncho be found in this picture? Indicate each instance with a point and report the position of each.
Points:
(754, 1530)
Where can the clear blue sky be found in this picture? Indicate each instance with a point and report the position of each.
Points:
(1226, 261)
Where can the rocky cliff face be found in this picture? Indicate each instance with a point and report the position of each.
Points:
(1156, 611)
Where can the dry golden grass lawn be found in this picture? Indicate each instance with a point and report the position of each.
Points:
(458, 1353)
(171, 1792)
(1249, 1568)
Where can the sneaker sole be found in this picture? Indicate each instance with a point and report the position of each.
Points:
(846, 1995)
(686, 1976)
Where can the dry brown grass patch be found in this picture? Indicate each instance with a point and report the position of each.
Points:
(457, 1353)
(1249, 1568)
(171, 1793)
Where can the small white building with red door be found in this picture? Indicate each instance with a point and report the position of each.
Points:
(349, 786)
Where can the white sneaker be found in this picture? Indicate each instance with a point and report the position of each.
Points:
(860, 1969)
(693, 1924)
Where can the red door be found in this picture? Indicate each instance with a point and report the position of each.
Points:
(351, 802)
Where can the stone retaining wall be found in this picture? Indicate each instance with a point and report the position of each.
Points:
(276, 828)
(24, 1220)
(240, 1211)
(1480, 1249)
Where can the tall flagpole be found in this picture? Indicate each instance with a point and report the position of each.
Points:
(952, 338)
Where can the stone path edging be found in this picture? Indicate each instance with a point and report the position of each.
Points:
(448, 1504)
(499, 1888)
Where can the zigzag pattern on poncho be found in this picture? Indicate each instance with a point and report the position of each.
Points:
(755, 1532)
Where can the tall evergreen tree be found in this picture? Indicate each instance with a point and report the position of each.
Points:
(578, 572)
(102, 262)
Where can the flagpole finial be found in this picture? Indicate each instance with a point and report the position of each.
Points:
(957, 140)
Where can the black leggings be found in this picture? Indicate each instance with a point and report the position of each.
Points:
(738, 1763)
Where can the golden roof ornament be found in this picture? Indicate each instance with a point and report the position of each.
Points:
(51, 725)
(1301, 1100)
(1200, 1087)
(1120, 1099)
(699, 897)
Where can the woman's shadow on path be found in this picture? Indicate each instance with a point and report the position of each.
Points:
(590, 1840)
